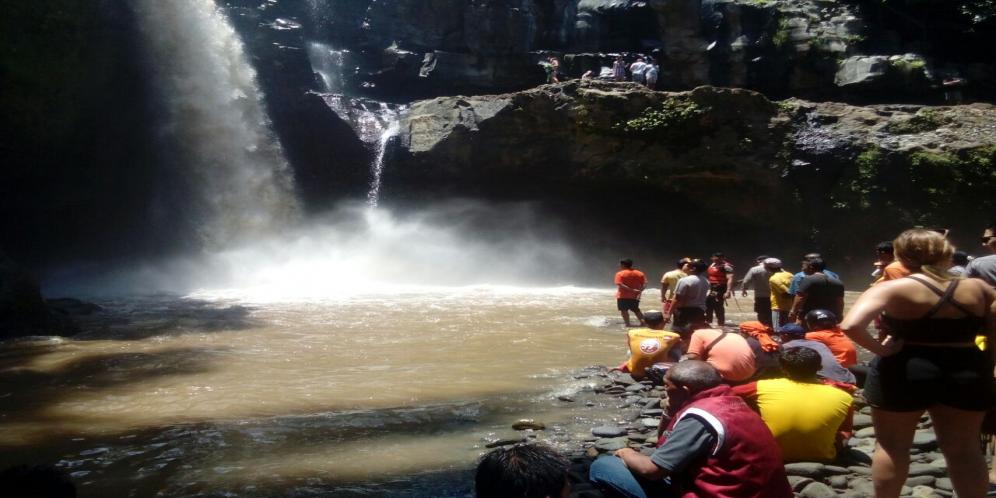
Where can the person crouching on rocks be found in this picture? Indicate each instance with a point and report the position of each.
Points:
(930, 362)
(649, 345)
(713, 446)
(804, 414)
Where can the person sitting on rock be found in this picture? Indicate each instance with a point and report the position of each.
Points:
(804, 414)
(794, 336)
(822, 325)
(523, 470)
(648, 345)
(728, 352)
(714, 445)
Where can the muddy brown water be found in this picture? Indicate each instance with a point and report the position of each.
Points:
(378, 395)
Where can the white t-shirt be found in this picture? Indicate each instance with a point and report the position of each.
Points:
(693, 291)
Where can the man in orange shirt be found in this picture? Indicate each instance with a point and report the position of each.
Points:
(822, 326)
(891, 268)
(629, 285)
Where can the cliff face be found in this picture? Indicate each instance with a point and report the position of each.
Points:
(795, 169)
(803, 48)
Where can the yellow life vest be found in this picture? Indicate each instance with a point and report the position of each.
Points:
(646, 347)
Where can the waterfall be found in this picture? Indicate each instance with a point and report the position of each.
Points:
(373, 197)
(215, 125)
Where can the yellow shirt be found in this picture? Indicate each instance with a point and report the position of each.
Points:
(646, 347)
(671, 278)
(803, 417)
(779, 283)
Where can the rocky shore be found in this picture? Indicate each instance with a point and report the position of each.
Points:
(634, 424)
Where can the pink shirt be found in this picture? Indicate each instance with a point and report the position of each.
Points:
(732, 356)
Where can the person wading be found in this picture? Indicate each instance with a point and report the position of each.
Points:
(630, 283)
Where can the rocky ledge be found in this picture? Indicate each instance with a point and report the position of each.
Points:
(634, 424)
(719, 152)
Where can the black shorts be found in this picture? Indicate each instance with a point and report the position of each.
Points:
(628, 304)
(762, 305)
(685, 316)
(918, 377)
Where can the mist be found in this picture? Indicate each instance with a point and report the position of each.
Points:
(357, 249)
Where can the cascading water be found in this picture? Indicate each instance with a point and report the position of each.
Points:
(373, 197)
(374, 122)
(216, 127)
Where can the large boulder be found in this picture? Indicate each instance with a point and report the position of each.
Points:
(23, 311)
(717, 152)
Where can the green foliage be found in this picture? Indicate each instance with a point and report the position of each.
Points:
(781, 36)
(907, 65)
(923, 121)
(673, 114)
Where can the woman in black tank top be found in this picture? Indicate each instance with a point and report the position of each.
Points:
(929, 362)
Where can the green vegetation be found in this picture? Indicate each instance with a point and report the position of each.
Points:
(781, 36)
(674, 113)
(907, 65)
(923, 121)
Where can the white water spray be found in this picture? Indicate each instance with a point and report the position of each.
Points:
(216, 126)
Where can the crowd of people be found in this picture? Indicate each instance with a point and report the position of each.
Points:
(644, 70)
(744, 399)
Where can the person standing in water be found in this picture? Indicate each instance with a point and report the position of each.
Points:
(630, 283)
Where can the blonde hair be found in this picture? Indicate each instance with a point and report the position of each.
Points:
(925, 251)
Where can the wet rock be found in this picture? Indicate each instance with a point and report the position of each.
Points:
(650, 422)
(606, 431)
(867, 432)
(635, 388)
(924, 492)
(817, 490)
(943, 483)
(861, 471)
(926, 469)
(799, 482)
(566, 399)
(862, 486)
(530, 424)
(924, 440)
(861, 421)
(805, 469)
(920, 480)
(834, 470)
(612, 444)
(591, 452)
(838, 482)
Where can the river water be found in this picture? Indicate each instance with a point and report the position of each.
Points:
(215, 394)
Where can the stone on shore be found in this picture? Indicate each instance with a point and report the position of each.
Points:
(805, 469)
(607, 431)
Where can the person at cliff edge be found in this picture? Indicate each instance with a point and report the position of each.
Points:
(630, 283)
(714, 445)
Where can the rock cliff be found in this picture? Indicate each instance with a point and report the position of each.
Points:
(795, 169)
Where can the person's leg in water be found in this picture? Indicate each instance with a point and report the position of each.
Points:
(721, 308)
(891, 461)
(639, 314)
(710, 306)
(625, 317)
(958, 434)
